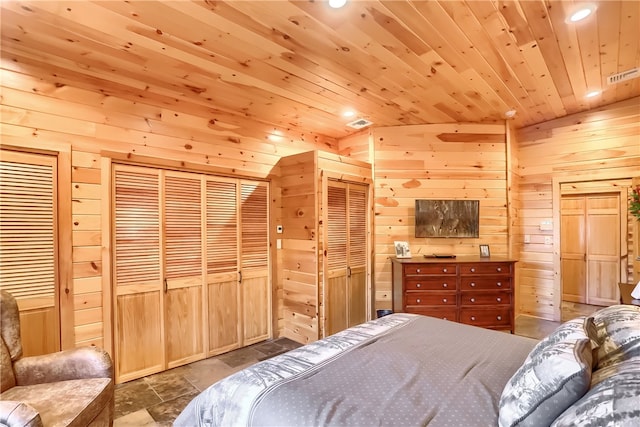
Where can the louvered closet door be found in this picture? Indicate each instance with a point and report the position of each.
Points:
(357, 254)
(335, 289)
(139, 305)
(184, 278)
(254, 261)
(222, 264)
(347, 267)
(28, 246)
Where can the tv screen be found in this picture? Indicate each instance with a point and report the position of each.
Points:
(447, 218)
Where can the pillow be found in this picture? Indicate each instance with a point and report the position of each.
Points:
(618, 329)
(591, 330)
(555, 374)
(631, 364)
(612, 402)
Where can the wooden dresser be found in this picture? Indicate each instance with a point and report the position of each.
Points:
(472, 290)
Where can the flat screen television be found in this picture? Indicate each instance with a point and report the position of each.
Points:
(447, 218)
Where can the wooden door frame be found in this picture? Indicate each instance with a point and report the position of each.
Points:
(556, 195)
(64, 291)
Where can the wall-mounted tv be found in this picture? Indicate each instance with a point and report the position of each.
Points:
(447, 218)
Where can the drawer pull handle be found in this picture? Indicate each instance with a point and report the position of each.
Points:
(499, 299)
(499, 284)
(473, 318)
(499, 317)
(473, 300)
(499, 269)
(444, 285)
(417, 270)
(473, 284)
(473, 270)
(418, 285)
(418, 300)
(444, 270)
(444, 300)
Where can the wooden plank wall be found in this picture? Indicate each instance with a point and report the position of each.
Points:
(40, 113)
(299, 253)
(358, 146)
(301, 184)
(444, 161)
(602, 144)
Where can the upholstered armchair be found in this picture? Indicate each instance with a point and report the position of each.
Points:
(67, 388)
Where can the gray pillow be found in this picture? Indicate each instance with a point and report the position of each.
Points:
(555, 374)
(611, 403)
(618, 329)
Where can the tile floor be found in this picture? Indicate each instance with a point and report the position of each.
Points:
(157, 400)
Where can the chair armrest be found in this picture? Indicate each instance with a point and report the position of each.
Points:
(77, 363)
(14, 413)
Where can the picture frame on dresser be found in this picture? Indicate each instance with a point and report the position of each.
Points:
(402, 249)
(484, 251)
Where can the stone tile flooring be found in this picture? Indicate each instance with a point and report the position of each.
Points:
(157, 400)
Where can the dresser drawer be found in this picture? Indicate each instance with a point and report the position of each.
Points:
(444, 313)
(439, 269)
(430, 284)
(430, 298)
(472, 298)
(495, 317)
(481, 268)
(484, 283)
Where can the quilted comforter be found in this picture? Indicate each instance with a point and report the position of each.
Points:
(401, 369)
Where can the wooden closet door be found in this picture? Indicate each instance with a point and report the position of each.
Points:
(346, 261)
(357, 254)
(138, 282)
(573, 247)
(335, 288)
(222, 265)
(254, 261)
(28, 246)
(590, 248)
(603, 249)
(184, 278)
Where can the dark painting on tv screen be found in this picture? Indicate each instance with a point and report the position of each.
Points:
(447, 218)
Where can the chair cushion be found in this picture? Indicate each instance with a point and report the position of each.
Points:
(76, 402)
(10, 324)
(7, 377)
(18, 414)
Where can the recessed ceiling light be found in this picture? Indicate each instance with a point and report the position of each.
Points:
(348, 113)
(582, 12)
(510, 113)
(275, 136)
(337, 4)
(592, 93)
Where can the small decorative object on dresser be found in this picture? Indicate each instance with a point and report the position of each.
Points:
(484, 251)
(472, 290)
(402, 249)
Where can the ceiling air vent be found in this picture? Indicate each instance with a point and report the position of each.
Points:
(625, 75)
(359, 123)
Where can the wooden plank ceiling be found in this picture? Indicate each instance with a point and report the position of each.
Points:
(297, 65)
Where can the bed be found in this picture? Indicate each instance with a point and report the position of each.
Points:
(411, 370)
